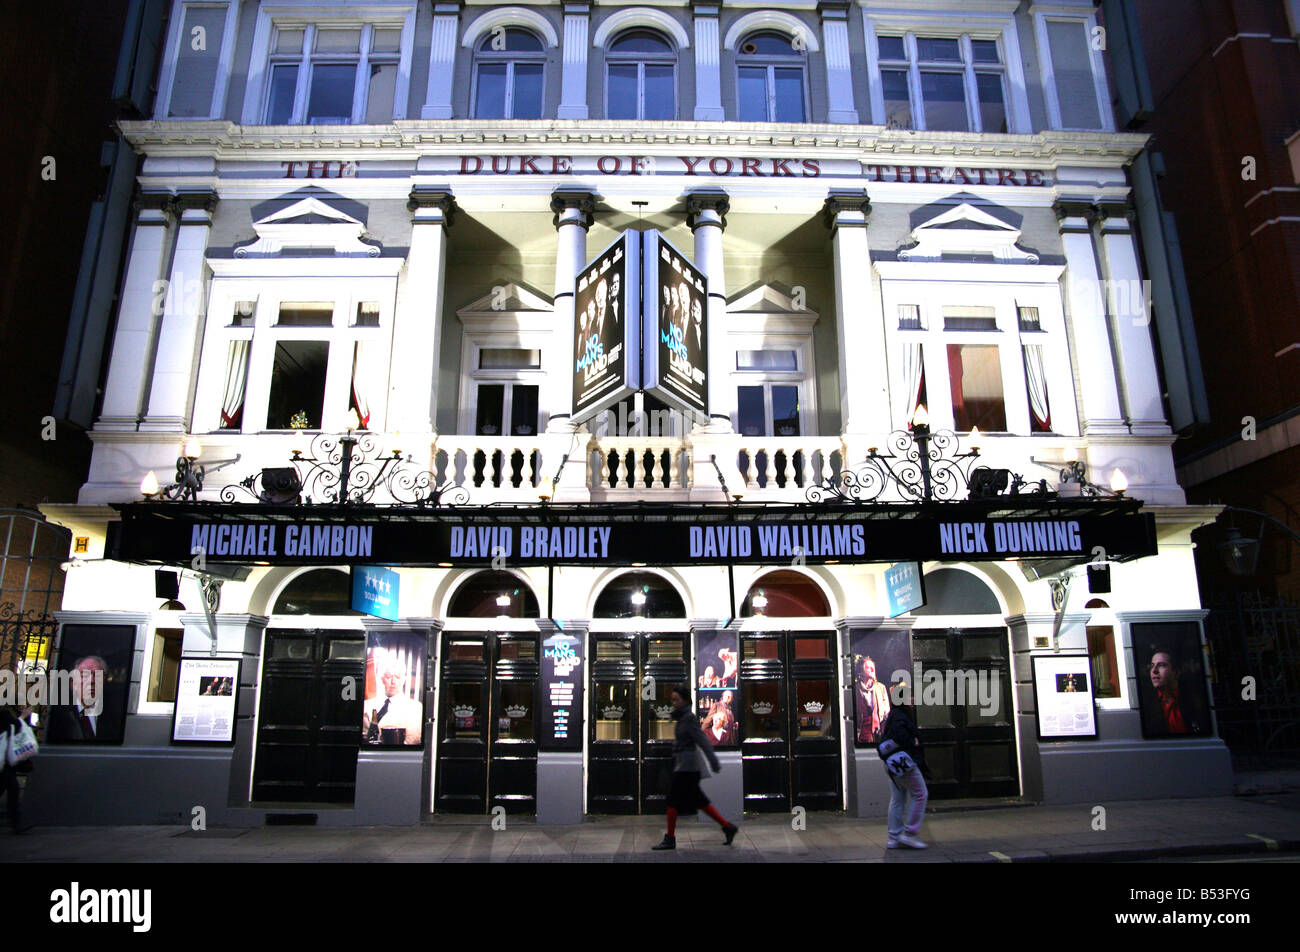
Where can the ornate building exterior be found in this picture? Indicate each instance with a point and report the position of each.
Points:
(350, 299)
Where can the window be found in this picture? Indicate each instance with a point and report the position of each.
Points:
(326, 74)
(640, 78)
(949, 83)
(197, 85)
(1073, 101)
(508, 76)
(770, 79)
(165, 664)
(297, 385)
(975, 378)
(769, 409)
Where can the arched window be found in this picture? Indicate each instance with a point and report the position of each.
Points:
(493, 595)
(954, 592)
(508, 75)
(770, 79)
(639, 595)
(785, 594)
(640, 77)
(319, 592)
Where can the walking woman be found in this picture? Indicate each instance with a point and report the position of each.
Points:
(685, 797)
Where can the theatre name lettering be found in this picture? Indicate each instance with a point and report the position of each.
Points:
(1021, 537)
(267, 540)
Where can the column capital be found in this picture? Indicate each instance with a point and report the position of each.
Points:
(434, 196)
(1106, 213)
(840, 201)
(196, 200)
(577, 9)
(446, 7)
(706, 8)
(833, 9)
(159, 202)
(1068, 208)
(707, 200)
(563, 199)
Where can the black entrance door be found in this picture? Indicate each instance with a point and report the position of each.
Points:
(789, 721)
(631, 733)
(970, 744)
(309, 724)
(487, 743)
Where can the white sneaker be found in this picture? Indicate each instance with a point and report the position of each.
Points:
(909, 840)
(891, 843)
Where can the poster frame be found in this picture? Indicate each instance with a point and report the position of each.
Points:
(1092, 698)
(176, 702)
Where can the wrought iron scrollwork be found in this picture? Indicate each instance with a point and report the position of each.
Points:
(919, 465)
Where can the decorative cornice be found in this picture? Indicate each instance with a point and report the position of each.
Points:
(1105, 211)
(1068, 209)
(439, 198)
(197, 200)
(226, 140)
(707, 200)
(584, 201)
(153, 201)
(845, 201)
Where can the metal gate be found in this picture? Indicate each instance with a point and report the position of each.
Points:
(1257, 636)
(31, 589)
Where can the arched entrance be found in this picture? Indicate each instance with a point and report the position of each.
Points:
(630, 733)
(308, 727)
(789, 721)
(963, 700)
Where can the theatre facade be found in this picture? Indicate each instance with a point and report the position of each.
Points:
(455, 413)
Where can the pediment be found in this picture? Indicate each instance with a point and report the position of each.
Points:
(505, 299)
(966, 230)
(770, 299)
(312, 226)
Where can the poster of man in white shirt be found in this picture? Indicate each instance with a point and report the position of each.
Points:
(393, 712)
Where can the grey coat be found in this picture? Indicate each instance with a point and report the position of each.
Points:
(687, 737)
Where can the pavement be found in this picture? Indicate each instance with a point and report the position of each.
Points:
(1265, 823)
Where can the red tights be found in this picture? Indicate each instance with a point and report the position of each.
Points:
(711, 811)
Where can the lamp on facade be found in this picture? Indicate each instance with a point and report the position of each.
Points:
(1240, 554)
(189, 475)
(638, 600)
(1118, 482)
(149, 485)
(758, 602)
(1072, 470)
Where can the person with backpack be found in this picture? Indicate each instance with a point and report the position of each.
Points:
(900, 750)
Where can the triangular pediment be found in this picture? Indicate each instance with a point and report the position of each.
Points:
(505, 299)
(769, 299)
(966, 231)
(310, 210)
(309, 226)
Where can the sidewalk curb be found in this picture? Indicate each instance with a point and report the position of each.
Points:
(1133, 854)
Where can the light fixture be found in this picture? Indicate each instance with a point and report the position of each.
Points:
(149, 485)
(503, 601)
(192, 448)
(1118, 482)
(1240, 554)
(759, 601)
(354, 419)
(1071, 454)
(921, 417)
(974, 438)
(638, 599)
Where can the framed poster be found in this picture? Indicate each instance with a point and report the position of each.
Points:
(96, 660)
(675, 310)
(207, 690)
(717, 662)
(1172, 695)
(562, 677)
(392, 714)
(607, 365)
(882, 658)
(1064, 707)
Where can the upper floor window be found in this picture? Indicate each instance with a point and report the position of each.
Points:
(323, 74)
(508, 79)
(641, 81)
(196, 66)
(948, 83)
(1074, 77)
(770, 79)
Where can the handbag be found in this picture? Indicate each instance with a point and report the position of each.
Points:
(22, 744)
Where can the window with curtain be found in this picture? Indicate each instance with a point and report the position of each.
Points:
(1040, 414)
(323, 74)
(508, 75)
(975, 379)
(949, 83)
(640, 77)
(770, 79)
(911, 393)
(232, 400)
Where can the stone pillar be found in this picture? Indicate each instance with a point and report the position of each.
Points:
(573, 82)
(706, 216)
(859, 318)
(573, 216)
(839, 75)
(442, 61)
(1095, 365)
(417, 328)
(183, 313)
(1129, 304)
(128, 369)
(708, 75)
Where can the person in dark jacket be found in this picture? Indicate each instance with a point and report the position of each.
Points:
(904, 759)
(685, 796)
(9, 776)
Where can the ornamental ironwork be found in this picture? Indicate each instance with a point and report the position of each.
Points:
(347, 470)
(918, 465)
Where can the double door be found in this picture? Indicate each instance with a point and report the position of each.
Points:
(308, 728)
(790, 722)
(631, 728)
(487, 723)
(964, 712)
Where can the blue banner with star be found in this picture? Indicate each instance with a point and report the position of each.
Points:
(375, 591)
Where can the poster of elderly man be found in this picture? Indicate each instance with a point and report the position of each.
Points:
(97, 660)
(393, 712)
(877, 655)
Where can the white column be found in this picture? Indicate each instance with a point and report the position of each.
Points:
(128, 369)
(417, 324)
(573, 216)
(1128, 302)
(859, 318)
(178, 337)
(839, 76)
(573, 83)
(442, 61)
(1085, 309)
(708, 76)
(706, 217)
